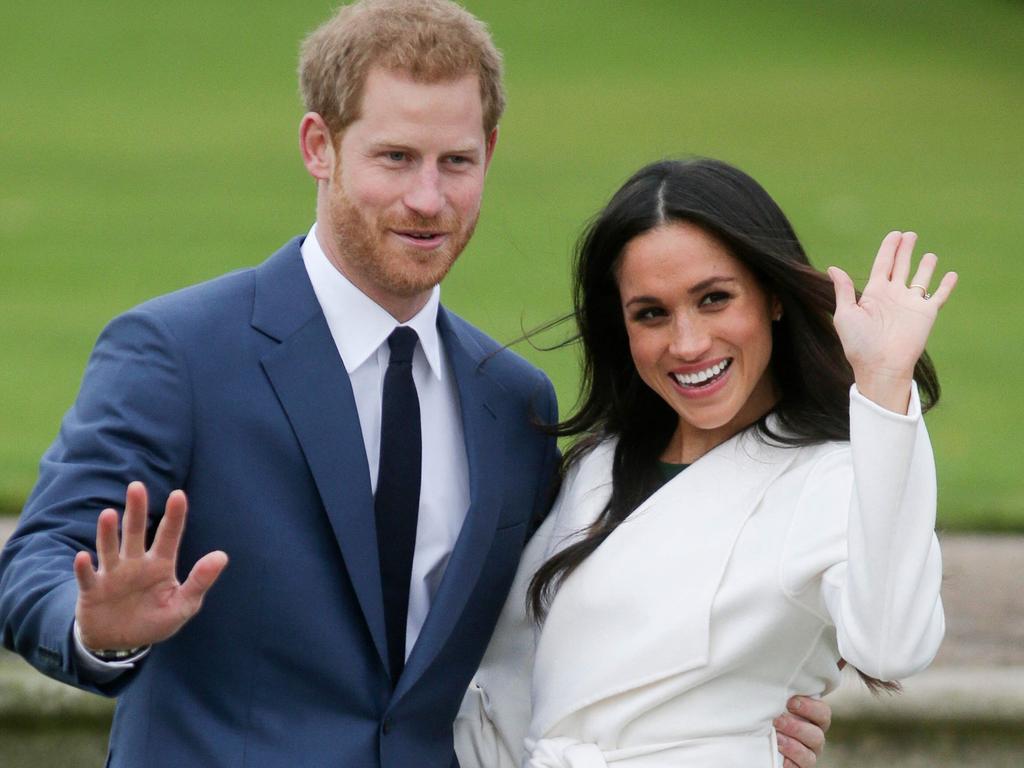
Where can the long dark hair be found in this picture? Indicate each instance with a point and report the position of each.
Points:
(810, 371)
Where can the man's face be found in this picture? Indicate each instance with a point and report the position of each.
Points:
(404, 194)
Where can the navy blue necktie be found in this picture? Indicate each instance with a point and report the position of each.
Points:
(397, 500)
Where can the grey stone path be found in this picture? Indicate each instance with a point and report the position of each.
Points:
(983, 594)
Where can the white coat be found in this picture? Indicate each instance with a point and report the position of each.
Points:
(739, 583)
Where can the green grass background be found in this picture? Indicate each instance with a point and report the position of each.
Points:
(147, 146)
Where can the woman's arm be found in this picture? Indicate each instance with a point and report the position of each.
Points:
(884, 596)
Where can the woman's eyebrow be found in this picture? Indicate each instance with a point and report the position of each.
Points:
(705, 284)
(643, 300)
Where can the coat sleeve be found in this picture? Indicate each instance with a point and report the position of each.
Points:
(882, 593)
(131, 420)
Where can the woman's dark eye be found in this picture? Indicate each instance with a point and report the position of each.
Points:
(715, 297)
(648, 313)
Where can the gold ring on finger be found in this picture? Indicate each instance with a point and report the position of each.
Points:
(924, 290)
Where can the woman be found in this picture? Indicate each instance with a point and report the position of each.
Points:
(751, 499)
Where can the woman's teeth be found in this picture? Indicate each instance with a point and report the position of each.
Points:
(701, 378)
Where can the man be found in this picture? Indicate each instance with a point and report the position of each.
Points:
(366, 459)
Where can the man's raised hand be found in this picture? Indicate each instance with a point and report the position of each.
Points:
(133, 598)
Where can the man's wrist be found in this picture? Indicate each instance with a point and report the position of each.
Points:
(110, 656)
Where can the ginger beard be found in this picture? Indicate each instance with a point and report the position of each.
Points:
(366, 246)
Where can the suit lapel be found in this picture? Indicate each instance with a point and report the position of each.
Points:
(313, 388)
(481, 400)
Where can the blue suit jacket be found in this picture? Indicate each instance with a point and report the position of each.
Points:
(234, 391)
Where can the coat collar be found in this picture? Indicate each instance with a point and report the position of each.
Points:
(671, 552)
(358, 324)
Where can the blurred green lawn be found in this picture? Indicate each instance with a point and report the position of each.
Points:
(146, 146)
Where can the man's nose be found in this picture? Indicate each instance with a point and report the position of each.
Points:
(690, 339)
(426, 196)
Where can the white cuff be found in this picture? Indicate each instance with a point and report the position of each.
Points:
(913, 407)
(103, 671)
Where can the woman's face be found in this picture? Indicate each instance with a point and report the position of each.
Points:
(699, 328)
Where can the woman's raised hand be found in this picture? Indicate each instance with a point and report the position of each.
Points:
(884, 333)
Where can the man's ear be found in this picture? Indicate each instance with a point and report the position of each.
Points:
(492, 141)
(316, 146)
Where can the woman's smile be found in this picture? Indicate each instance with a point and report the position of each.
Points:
(703, 381)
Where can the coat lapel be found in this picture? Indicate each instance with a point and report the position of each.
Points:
(314, 390)
(481, 400)
(638, 609)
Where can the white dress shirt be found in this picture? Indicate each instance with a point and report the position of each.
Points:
(360, 329)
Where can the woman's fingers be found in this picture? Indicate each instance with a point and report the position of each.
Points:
(846, 294)
(923, 276)
(945, 288)
(901, 260)
(881, 269)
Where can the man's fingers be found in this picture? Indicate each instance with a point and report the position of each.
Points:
(816, 711)
(796, 753)
(846, 295)
(107, 545)
(796, 728)
(84, 574)
(901, 260)
(168, 532)
(133, 524)
(881, 268)
(204, 573)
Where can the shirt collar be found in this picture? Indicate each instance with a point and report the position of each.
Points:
(357, 323)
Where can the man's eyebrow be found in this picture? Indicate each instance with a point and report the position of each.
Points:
(395, 144)
(389, 144)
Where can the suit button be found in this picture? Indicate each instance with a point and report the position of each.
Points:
(386, 727)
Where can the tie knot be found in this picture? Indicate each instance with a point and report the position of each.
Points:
(402, 342)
